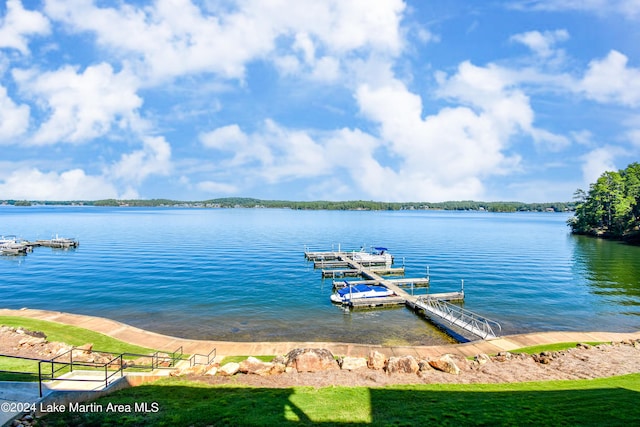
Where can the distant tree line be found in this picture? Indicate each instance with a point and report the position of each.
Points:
(611, 208)
(243, 202)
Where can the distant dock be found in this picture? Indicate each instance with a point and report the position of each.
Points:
(437, 307)
(58, 242)
(14, 246)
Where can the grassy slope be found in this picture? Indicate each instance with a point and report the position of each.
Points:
(61, 333)
(73, 335)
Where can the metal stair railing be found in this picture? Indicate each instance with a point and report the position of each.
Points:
(458, 316)
(196, 359)
(108, 369)
(53, 369)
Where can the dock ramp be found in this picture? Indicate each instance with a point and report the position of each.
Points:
(458, 316)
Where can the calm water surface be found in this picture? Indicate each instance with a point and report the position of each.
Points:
(240, 274)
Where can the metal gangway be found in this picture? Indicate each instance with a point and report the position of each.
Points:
(458, 316)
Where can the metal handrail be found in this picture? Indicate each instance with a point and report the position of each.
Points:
(154, 357)
(71, 364)
(466, 319)
(193, 359)
(118, 361)
(177, 355)
(120, 369)
(10, 356)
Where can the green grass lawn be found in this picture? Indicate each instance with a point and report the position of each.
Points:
(23, 370)
(71, 335)
(609, 401)
(238, 359)
(551, 347)
(74, 335)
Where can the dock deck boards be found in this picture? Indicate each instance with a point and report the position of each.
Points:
(421, 282)
(358, 271)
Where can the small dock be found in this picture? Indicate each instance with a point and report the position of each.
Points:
(57, 242)
(436, 307)
(12, 245)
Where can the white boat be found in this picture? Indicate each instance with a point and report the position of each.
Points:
(377, 256)
(11, 245)
(352, 292)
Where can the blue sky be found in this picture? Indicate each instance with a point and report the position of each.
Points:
(385, 100)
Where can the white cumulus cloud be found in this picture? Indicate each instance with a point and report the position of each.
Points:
(153, 159)
(179, 37)
(611, 80)
(14, 119)
(213, 187)
(542, 43)
(598, 161)
(19, 24)
(80, 105)
(74, 184)
(274, 153)
(225, 138)
(444, 155)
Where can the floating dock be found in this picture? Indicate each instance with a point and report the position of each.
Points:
(12, 245)
(57, 242)
(436, 307)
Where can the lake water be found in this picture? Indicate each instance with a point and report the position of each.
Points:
(240, 274)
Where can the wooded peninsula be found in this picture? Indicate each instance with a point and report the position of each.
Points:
(611, 208)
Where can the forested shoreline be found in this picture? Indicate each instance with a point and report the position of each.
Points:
(237, 202)
(611, 207)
